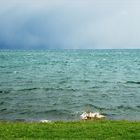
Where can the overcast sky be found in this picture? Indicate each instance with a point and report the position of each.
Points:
(69, 24)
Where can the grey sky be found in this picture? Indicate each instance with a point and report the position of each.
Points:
(70, 24)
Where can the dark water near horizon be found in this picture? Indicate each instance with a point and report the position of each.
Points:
(61, 84)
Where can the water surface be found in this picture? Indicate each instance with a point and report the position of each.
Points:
(60, 85)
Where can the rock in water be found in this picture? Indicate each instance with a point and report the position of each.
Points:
(90, 115)
(44, 121)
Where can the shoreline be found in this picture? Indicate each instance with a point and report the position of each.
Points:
(64, 121)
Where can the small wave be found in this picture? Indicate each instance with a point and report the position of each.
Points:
(2, 66)
(61, 89)
(5, 91)
(133, 82)
(4, 109)
(28, 89)
(97, 107)
(1, 103)
(58, 112)
(89, 106)
(7, 72)
(138, 106)
(85, 81)
(24, 112)
(126, 107)
(105, 82)
(48, 89)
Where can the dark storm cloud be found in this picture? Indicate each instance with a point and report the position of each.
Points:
(69, 24)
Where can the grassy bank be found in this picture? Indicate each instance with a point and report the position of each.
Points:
(110, 130)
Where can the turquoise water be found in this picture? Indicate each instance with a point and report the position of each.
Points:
(60, 85)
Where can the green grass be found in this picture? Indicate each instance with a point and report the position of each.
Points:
(98, 130)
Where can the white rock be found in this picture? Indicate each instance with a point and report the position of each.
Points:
(44, 121)
(100, 116)
(84, 116)
(91, 115)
